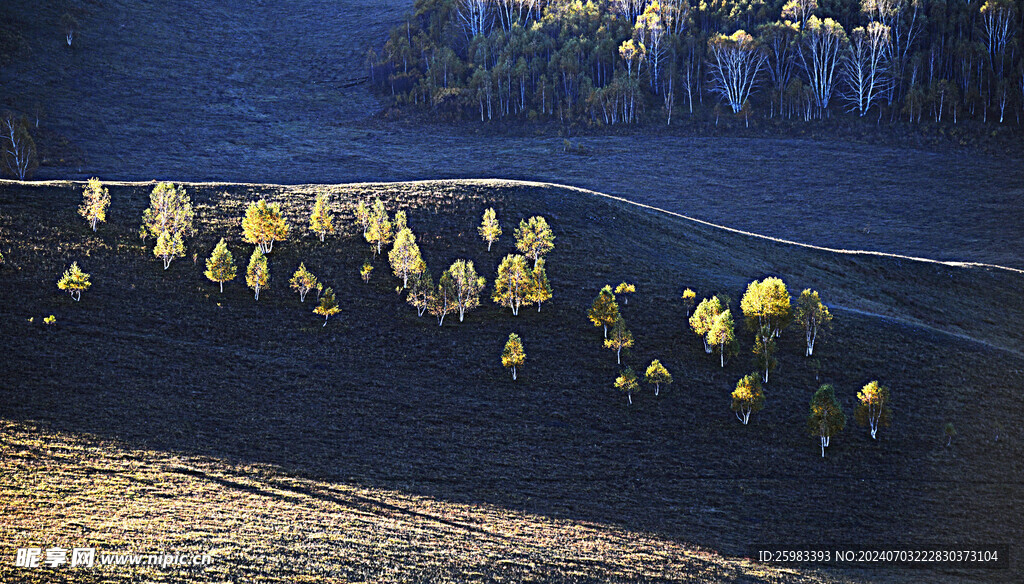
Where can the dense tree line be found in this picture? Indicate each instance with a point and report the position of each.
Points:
(623, 61)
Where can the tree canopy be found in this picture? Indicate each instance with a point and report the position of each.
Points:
(74, 281)
(263, 224)
(168, 219)
(604, 311)
(95, 200)
(747, 398)
(826, 418)
(220, 266)
(513, 354)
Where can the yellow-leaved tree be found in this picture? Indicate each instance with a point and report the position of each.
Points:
(220, 266)
(74, 281)
(813, 316)
(826, 418)
(623, 291)
(263, 224)
(604, 311)
(257, 275)
(747, 398)
(321, 220)
(626, 383)
(168, 219)
(657, 375)
(490, 229)
(95, 200)
(328, 305)
(514, 355)
(512, 286)
(873, 408)
(303, 281)
(468, 286)
(619, 339)
(534, 237)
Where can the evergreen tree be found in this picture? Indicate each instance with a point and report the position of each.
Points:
(826, 418)
(95, 200)
(657, 375)
(74, 280)
(468, 286)
(623, 291)
(490, 230)
(263, 224)
(220, 266)
(604, 311)
(540, 288)
(321, 220)
(534, 238)
(168, 219)
(747, 398)
(303, 281)
(257, 275)
(512, 286)
(704, 317)
(513, 355)
(873, 410)
(626, 383)
(328, 305)
(813, 317)
(405, 256)
(620, 339)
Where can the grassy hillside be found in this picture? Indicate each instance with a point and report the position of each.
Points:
(158, 399)
(276, 93)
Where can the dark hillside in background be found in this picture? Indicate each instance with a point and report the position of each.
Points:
(276, 93)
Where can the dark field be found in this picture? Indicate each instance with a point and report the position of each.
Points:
(158, 413)
(276, 92)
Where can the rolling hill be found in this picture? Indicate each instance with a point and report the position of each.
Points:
(160, 414)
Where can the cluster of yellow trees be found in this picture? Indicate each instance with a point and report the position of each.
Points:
(768, 310)
(766, 305)
(604, 312)
(521, 278)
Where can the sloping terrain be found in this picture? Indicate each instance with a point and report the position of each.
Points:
(276, 93)
(163, 386)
